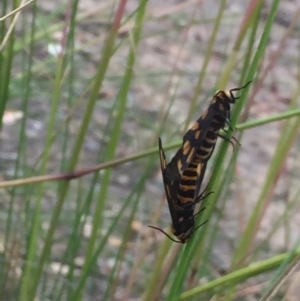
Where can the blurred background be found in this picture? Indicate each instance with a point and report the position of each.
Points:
(89, 86)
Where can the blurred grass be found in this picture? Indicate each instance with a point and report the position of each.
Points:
(122, 75)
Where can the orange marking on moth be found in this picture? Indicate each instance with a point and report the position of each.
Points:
(163, 161)
(179, 165)
(195, 126)
(197, 134)
(186, 178)
(185, 200)
(186, 147)
(205, 148)
(204, 114)
(214, 100)
(187, 187)
(199, 167)
(191, 155)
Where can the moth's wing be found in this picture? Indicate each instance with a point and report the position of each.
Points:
(170, 187)
(194, 137)
(174, 167)
(201, 172)
(163, 163)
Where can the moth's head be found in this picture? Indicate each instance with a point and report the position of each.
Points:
(227, 96)
(224, 97)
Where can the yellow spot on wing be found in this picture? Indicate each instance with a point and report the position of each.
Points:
(187, 187)
(179, 165)
(186, 147)
(204, 114)
(163, 161)
(195, 126)
(199, 167)
(191, 155)
(197, 134)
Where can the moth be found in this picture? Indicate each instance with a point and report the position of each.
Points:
(182, 193)
(183, 175)
(200, 140)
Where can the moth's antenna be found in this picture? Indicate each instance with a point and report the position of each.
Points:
(238, 89)
(156, 228)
